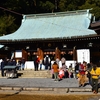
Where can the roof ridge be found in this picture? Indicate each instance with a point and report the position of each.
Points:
(54, 14)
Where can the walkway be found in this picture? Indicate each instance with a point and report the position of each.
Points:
(40, 82)
(42, 85)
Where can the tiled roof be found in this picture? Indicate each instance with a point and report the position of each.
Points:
(52, 26)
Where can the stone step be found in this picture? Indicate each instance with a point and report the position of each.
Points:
(37, 74)
(34, 74)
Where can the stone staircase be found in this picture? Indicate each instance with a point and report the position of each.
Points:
(34, 74)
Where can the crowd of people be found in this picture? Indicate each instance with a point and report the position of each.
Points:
(83, 72)
(11, 62)
(63, 71)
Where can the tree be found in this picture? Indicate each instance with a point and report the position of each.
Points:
(7, 25)
(95, 5)
(70, 5)
(40, 6)
(62, 5)
(46, 7)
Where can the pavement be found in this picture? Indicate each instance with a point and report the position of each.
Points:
(40, 82)
(42, 86)
(45, 86)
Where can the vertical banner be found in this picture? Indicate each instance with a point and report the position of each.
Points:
(83, 55)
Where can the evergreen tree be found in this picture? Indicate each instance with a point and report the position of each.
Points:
(7, 25)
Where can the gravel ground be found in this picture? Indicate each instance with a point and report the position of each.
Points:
(95, 98)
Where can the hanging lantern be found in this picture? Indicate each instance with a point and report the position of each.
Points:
(53, 53)
(47, 53)
(34, 53)
(50, 52)
(71, 52)
(62, 52)
(28, 53)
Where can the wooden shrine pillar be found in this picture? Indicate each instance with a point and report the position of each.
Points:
(74, 53)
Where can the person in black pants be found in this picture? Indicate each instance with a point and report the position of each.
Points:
(36, 62)
(47, 62)
(2, 66)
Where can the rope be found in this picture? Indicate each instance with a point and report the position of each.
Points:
(11, 11)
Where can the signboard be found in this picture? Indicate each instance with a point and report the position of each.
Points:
(83, 55)
(18, 54)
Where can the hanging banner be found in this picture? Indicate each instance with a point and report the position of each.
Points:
(83, 55)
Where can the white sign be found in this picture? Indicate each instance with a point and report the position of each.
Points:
(18, 54)
(83, 55)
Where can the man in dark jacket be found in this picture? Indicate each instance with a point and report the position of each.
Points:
(36, 62)
(47, 62)
(2, 66)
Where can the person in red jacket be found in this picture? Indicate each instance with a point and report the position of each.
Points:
(82, 76)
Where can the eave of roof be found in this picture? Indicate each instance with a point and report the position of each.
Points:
(79, 38)
(95, 24)
(62, 25)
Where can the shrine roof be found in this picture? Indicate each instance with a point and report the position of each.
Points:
(49, 26)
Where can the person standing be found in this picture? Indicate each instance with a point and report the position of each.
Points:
(57, 53)
(2, 68)
(63, 60)
(89, 68)
(95, 72)
(82, 78)
(76, 69)
(47, 62)
(57, 60)
(70, 70)
(55, 68)
(40, 53)
(36, 62)
(40, 64)
(22, 63)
